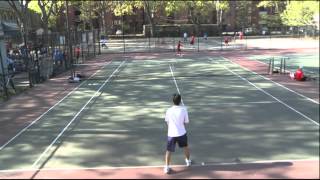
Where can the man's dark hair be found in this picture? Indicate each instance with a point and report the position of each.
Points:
(176, 99)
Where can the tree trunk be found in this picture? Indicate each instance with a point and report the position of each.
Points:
(104, 29)
(45, 35)
(147, 8)
(218, 18)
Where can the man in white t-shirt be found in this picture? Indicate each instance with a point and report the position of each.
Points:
(176, 118)
(185, 37)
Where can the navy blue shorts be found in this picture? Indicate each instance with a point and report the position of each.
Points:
(181, 140)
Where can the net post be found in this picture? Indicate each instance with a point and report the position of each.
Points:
(269, 66)
(284, 66)
(281, 64)
(272, 65)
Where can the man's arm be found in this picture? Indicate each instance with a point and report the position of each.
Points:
(186, 118)
(166, 118)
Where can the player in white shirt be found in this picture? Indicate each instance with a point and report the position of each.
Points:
(176, 118)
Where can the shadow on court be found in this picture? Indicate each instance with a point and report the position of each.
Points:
(124, 125)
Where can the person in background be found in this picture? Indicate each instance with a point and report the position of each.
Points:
(226, 41)
(299, 74)
(77, 51)
(205, 36)
(10, 63)
(179, 48)
(185, 37)
(192, 40)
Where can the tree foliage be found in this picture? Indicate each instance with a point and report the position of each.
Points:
(300, 13)
(273, 19)
(243, 14)
(197, 10)
(49, 10)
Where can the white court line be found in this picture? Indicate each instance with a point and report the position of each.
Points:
(274, 82)
(65, 128)
(156, 166)
(175, 82)
(271, 95)
(237, 103)
(24, 129)
(97, 64)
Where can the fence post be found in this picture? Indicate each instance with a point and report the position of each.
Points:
(149, 44)
(99, 41)
(281, 64)
(198, 43)
(82, 46)
(272, 65)
(94, 42)
(87, 41)
(3, 76)
(221, 44)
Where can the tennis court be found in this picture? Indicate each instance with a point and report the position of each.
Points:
(115, 118)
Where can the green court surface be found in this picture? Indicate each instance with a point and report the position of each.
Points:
(309, 62)
(116, 119)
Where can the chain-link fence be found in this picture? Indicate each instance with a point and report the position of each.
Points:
(227, 41)
(23, 66)
(39, 61)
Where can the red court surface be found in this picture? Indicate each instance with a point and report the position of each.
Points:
(264, 170)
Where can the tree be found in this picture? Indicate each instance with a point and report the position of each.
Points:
(243, 14)
(21, 11)
(300, 13)
(276, 7)
(149, 7)
(221, 6)
(197, 10)
(57, 10)
(45, 8)
(122, 8)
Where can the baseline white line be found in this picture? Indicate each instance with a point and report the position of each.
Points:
(271, 95)
(91, 64)
(301, 95)
(65, 128)
(24, 129)
(156, 166)
(237, 103)
(175, 82)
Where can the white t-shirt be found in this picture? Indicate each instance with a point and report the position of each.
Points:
(185, 35)
(176, 116)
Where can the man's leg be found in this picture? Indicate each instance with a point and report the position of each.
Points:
(168, 158)
(183, 142)
(186, 152)
(170, 148)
